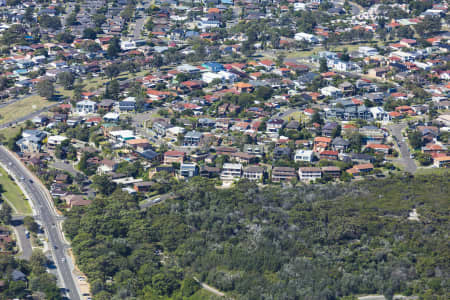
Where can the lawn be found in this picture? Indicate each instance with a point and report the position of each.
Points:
(13, 194)
(9, 132)
(296, 115)
(22, 108)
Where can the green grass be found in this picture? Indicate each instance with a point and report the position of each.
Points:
(9, 132)
(13, 194)
(296, 115)
(428, 171)
(22, 108)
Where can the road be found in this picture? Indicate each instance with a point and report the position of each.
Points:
(36, 192)
(139, 24)
(24, 242)
(405, 159)
(148, 202)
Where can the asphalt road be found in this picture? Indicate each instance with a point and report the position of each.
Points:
(148, 203)
(139, 24)
(24, 242)
(47, 217)
(405, 159)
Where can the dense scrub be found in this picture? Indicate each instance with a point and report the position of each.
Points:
(308, 242)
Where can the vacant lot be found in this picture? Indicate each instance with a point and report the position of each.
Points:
(22, 108)
(13, 194)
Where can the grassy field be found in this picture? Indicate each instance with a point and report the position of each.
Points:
(13, 194)
(296, 115)
(9, 132)
(22, 108)
(428, 171)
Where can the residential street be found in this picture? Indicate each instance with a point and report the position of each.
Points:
(46, 215)
(405, 159)
(24, 242)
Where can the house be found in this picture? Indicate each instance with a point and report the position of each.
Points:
(253, 173)
(379, 148)
(339, 144)
(106, 166)
(274, 125)
(188, 170)
(331, 171)
(256, 150)
(281, 153)
(231, 172)
(31, 141)
(321, 143)
(309, 173)
(192, 139)
(140, 145)
(54, 141)
(174, 157)
(160, 126)
(86, 107)
(283, 174)
(151, 155)
(76, 200)
(111, 117)
(106, 105)
(209, 172)
(329, 128)
(442, 162)
(304, 155)
(360, 169)
(242, 157)
(329, 155)
(128, 104)
(331, 91)
(143, 186)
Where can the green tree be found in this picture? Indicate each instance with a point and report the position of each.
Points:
(103, 184)
(89, 33)
(30, 224)
(113, 90)
(5, 213)
(45, 88)
(113, 48)
(189, 287)
(415, 139)
(323, 66)
(112, 70)
(67, 79)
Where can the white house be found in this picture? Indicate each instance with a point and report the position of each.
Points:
(86, 107)
(231, 172)
(224, 76)
(309, 173)
(331, 91)
(303, 36)
(304, 155)
(367, 51)
(379, 113)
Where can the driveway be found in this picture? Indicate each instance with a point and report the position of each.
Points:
(408, 163)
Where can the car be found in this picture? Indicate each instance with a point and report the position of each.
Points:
(31, 181)
(22, 178)
(55, 247)
(10, 163)
(63, 259)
